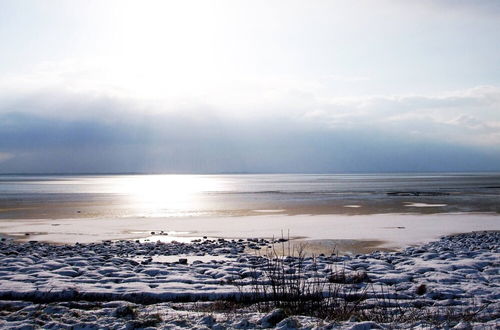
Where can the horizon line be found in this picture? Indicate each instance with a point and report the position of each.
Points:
(251, 173)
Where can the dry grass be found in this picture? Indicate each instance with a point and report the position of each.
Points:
(281, 282)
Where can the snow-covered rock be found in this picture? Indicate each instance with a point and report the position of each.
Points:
(126, 283)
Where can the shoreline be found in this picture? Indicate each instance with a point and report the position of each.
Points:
(354, 234)
(88, 284)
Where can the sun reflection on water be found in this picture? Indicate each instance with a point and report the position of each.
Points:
(168, 195)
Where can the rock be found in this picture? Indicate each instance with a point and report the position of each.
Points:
(288, 324)
(365, 326)
(417, 193)
(124, 311)
(207, 321)
(421, 289)
(67, 272)
(463, 325)
(270, 319)
(151, 272)
(183, 261)
(243, 324)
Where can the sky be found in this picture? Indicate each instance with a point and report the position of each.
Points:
(103, 86)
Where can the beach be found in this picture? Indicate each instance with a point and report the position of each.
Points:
(129, 284)
(195, 251)
(381, 231)
(389, 210)
(249, 164)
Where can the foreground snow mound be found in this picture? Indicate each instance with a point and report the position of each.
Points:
(110, 283)
(125, 315)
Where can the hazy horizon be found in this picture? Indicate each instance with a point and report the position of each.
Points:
(245, 173)
(249, 86)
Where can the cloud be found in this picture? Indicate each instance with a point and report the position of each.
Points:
(275, 125)
(250, 87)
(75, 91)
(484, 7)
(173, 142)
(467, 117)
(182, 146)
(345, 78)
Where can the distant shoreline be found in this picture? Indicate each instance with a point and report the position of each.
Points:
(252, 173)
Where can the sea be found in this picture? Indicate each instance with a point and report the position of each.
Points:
(172, 195)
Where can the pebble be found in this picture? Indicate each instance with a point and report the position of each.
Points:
(457, 271)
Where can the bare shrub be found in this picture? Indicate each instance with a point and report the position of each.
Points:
(285, 280)
(294, 283)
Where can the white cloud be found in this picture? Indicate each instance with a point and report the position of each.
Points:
(345, 78)
(74, 90)
(467, 116)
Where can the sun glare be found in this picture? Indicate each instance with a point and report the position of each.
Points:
(165, 47)
(168, 195)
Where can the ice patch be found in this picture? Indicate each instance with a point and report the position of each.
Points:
(269, 211)
(169, 237)
(424, 205)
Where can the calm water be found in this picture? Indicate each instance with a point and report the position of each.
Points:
(23, 196)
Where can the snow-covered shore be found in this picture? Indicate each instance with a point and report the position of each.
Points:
(121, 284)
(392, 230)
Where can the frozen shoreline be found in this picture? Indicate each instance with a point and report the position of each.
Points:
(391, 230)
(458, 271)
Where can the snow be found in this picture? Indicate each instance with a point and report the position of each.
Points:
(40, 282)
(391, 230)
(409, 204)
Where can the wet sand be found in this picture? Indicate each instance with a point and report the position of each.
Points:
(116, 207)
(327, 247)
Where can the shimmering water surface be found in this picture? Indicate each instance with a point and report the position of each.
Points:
(63, 196)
